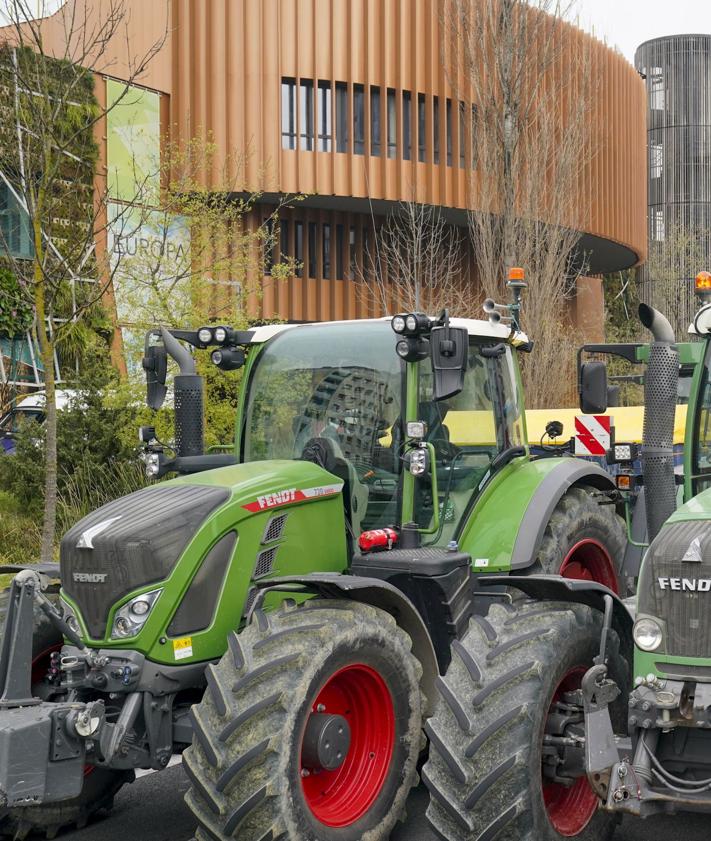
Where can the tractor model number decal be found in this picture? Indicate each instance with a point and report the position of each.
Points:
(592, 435)
(285, 497)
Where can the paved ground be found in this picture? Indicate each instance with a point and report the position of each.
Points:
(152, 809)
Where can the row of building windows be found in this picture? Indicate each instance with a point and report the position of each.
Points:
(375, 121)
(323, 250)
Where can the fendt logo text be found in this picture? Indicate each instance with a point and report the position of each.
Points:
(90, 577)
(692, 585)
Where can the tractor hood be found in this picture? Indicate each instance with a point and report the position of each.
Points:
(138, 540)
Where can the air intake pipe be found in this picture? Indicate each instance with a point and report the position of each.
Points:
(188, 393)
(660, 398)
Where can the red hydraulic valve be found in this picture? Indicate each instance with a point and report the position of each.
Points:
(377, 539)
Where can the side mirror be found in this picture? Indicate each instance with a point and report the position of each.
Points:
(593, 388)
(449, 354)
(155, 364)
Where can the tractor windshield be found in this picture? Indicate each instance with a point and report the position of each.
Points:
(331, 393)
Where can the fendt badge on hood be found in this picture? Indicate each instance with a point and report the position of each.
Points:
(90, 577)
(86, 541)
(689, 585)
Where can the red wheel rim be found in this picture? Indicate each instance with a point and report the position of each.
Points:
(589, 560)
(340, 798)
(569, 810)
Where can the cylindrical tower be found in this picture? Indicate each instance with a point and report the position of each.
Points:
(677, 70)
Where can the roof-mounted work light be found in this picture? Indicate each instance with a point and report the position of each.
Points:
(411, 324)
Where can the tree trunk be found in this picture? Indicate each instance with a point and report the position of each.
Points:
(46, 343)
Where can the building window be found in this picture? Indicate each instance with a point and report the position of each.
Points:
(299, 247)
(392, 124)
(421, 128)
(658, 225)
(656, 89)
(474, 123)
(352, 257)
(341, 117)
(325, 123)
(406, 125)
(15, 237)
(268, 245)
(326, 253)
(656, 160)
(358, 120)
(366, 253)
(313, 271)
(449, 132)
(462, 134)
(375, 121)
(284, 238)
(288, 114)
(307, 115)
(435, 129)
(340, 244)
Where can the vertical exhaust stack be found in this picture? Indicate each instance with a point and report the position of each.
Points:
(660, 398)
(188, 399)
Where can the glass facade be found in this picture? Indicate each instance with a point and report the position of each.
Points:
(384, 122)
(677, 73)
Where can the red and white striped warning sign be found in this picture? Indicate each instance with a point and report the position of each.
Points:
(592, 435)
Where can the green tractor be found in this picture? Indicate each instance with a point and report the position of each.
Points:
(281, 614)
(566, 708)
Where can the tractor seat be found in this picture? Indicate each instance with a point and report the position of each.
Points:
(326, 453)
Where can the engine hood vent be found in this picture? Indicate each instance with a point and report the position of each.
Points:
(131, 542)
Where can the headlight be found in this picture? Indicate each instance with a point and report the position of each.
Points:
(398, 324)
(129, 619)
(152, 462)
(205, 335)
(419, 462)
(647, 634)
(411, 323)
(220, 334)
(70, 617)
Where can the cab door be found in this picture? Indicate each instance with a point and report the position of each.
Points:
(700, 471)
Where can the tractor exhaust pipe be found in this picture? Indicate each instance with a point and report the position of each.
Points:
(660, 397)
(188, 393)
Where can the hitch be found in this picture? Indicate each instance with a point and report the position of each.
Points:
(599, 691)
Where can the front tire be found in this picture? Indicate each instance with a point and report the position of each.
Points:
(484, 771)
(251, 776)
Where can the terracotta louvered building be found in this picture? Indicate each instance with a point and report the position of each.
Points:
(348, 102)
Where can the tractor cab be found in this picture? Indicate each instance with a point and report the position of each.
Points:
(414, 434)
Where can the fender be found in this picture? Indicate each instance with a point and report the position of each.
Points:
(370, 591)
(552, 489)
(506, 526)
(558, 589)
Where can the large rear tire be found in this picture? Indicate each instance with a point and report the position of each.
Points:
(484, 772)
(585, 540)
(100, 784)
(248, 766)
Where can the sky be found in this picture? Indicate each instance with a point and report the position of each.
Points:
(625, 24)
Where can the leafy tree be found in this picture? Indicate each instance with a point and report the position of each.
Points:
(47, 158)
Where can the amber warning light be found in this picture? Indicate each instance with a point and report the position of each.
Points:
(517, 273)
(703, 283)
